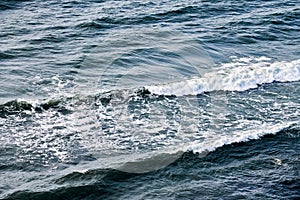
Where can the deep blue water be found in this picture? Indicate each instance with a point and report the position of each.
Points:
(149, 99)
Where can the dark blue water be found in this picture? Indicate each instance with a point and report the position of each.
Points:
(149, 99)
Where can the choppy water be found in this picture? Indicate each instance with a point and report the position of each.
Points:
(149, 99)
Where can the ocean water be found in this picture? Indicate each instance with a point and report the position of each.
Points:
(103, 99)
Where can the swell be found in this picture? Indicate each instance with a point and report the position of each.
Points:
(244, 157)
(176, 15)
(5, 7)
(256, 25)
(10, 4)
(241, 75)
(4, 55)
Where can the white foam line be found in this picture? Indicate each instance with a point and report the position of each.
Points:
(243, 136)
(234, 77)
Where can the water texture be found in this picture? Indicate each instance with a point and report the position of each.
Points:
(149, 99)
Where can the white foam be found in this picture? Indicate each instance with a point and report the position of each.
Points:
(237, 137)
(240, 75)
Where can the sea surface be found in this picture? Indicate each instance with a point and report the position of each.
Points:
(103, 99)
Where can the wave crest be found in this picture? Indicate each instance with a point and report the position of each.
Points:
(237, 76)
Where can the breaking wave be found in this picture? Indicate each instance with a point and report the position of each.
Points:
(239, 76)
